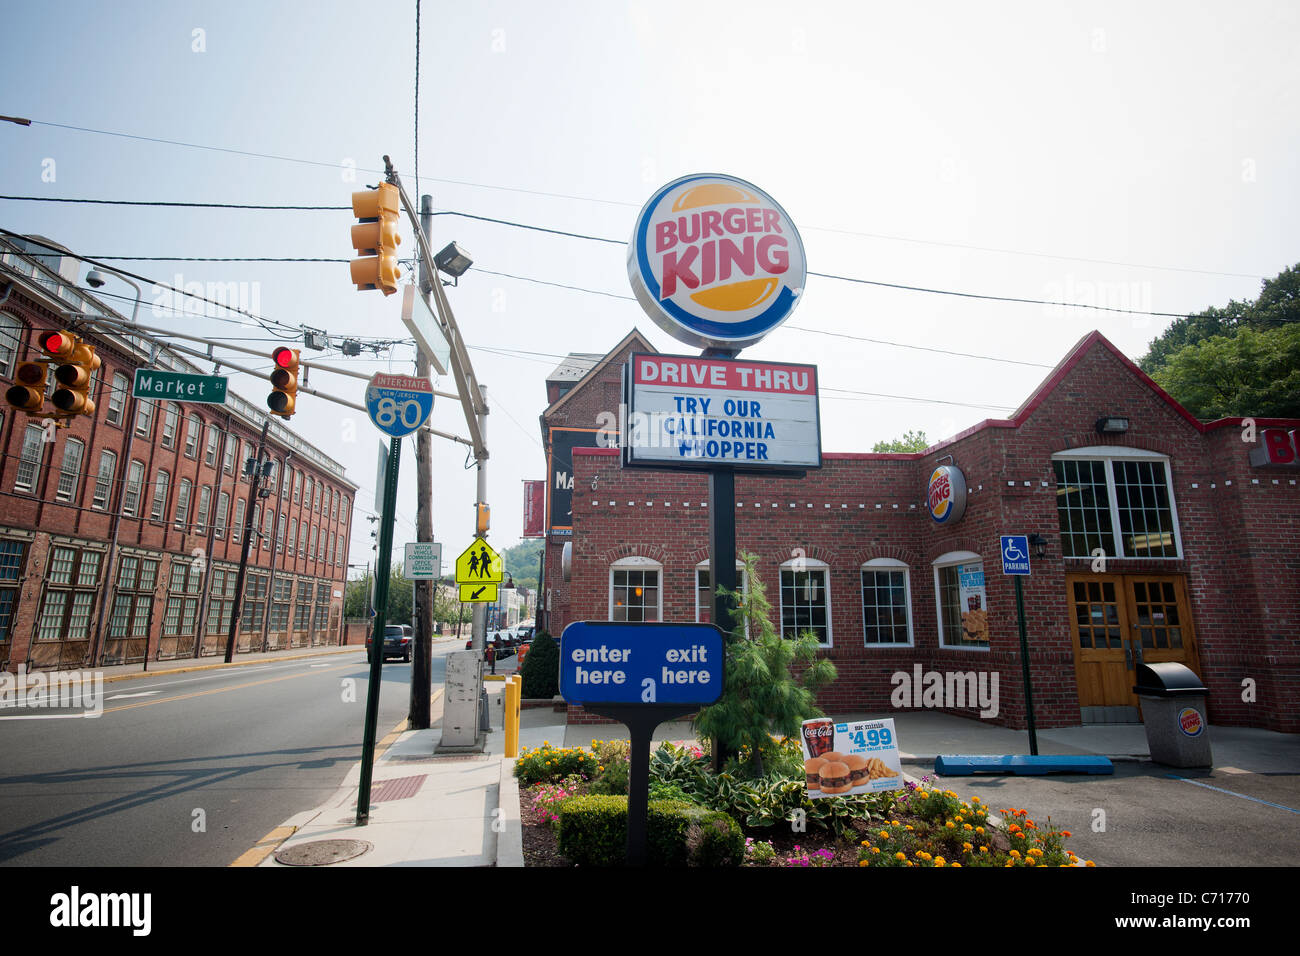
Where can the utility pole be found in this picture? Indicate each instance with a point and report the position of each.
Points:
(255, 480)
(422, 660)
(479, 625)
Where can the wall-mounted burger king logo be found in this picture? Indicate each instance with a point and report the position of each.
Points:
(716, 262)
(945, 494)
(1191, 722)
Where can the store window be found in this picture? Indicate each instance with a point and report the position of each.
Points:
(184, 588)
(961, 599)
(254, 608)
(805, 599)
(11, 566)
(886, 603)
(634, 591)
(133, 599)
(221, 600)
(1122, 503)
(71, 584)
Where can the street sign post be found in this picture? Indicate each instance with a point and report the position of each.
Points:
(179, 387)
(1015, 561)
(398, 404)
(423, 561)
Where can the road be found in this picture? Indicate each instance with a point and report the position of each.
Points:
(190, 769)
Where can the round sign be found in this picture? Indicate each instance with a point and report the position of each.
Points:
(715, 261)
(1191, 722)
(945, 494)
(398, 404)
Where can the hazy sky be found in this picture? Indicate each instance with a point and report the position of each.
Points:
(1135, 155)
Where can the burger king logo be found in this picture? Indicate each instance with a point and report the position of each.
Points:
(1191, 722)
(945, 494)
(715, 261)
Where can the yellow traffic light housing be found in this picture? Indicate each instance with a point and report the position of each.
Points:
(482, 518)
(27, 394)
(284, 381)
(75, 377)
(375, 237)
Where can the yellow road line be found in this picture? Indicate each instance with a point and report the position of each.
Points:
(221, 690)
(264, 847)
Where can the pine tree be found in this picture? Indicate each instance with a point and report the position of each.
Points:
(761, 696)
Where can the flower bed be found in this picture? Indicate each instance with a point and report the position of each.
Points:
(920, 825)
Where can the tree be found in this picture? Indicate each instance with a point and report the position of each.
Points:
(910, 442)
(522, 561)
(1245, 371)
(761, 696)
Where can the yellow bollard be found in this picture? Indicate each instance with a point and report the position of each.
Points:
(512, 716)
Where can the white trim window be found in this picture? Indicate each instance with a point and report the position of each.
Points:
(704, 591)
(805, 599)
(183, 494)
(193, 431)
(635, 591)
(28, 473)
(886, 603)
(961, 602)
(1120, 500)
(70, 473)
(104, 480)
(144, 418)
(11, 337)
(210, 452)
(134, 483)
(118, 390)
(170, 420)
(162, 485)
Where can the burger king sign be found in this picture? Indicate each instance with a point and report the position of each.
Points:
(716, 262)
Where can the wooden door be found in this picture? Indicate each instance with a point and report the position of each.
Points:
(1118, 621)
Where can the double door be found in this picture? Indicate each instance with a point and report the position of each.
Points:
(1119, 621)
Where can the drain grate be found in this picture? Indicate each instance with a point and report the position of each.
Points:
(399, 788)
(322, 852)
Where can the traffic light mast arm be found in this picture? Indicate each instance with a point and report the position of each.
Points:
(471, 399)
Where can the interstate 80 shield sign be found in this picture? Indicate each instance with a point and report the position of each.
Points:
(398, 404)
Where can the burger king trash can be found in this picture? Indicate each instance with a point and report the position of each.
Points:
(1173, 712)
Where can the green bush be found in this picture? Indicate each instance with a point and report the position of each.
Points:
(541, 669)
(613, 779)
(593, 832)
(548, 764)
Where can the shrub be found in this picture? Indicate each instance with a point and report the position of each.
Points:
(613, 779)
(593, 832)
(547, 764)
(540, 672)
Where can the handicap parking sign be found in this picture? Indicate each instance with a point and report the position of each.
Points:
(1015, 554)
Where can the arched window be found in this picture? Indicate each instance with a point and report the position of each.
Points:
(961, 600)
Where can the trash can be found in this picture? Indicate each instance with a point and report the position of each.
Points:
(1173, 712)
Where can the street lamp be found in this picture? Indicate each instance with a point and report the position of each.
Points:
(453, 260)
(96, 279)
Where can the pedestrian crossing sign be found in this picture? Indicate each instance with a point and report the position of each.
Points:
(479, 564)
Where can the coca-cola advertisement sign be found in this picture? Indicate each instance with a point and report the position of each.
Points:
(844, 758)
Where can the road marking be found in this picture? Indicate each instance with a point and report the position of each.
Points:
(319, 665)
(264, 847)
(146, 693)
(1233, 793)
(215, 690)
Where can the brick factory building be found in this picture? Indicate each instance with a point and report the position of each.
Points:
(140, 508)
(1166, 539)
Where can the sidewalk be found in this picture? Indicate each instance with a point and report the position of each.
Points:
(463, 810)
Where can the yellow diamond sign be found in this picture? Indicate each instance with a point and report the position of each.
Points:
(479, 564)
(478, 592)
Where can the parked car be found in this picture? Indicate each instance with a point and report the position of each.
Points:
(399, 640)
(502, 641)
(524, 633)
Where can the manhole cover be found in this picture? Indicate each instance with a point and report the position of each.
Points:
(322, 852)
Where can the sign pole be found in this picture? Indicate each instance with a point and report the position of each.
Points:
(377, 634)
(1024, 663)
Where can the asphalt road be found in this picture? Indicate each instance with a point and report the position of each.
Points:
(190, 769)
(1144, 816)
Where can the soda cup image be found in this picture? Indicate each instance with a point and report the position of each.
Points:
(818, 736)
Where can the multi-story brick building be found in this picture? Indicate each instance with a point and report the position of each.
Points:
(1163, 541)
(120, 535)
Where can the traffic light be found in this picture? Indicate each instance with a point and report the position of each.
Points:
(376, 238)
(284, 379)
(75, 376)
(482, 518)
(27, 394)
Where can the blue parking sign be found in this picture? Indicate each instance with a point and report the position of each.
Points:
(1015, 554)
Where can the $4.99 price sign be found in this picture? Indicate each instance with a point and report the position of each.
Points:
(398, 404)
(842, 758)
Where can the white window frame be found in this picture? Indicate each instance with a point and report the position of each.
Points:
(184, 501)
(171, 419)
(73, 493)
(695, 586)
(637, 563)
(948, 560)
(889, 564)
(1108, 455)
(162, 488)
(12, 333)
(119, 388)
(144, 412)
(193, 436)
(33, 434)
(104, 481)
(805, 564)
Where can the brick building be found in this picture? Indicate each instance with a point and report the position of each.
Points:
(140, 508)
(1201, 549)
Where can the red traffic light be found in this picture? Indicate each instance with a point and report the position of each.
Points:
(284, 357)
(57, 344)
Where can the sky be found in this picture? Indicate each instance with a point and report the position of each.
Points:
(1136, 156)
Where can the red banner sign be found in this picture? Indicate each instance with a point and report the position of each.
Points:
(534, 509)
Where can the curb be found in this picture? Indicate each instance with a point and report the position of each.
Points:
(510, 841)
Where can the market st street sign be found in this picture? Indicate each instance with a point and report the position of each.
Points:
(179, 387)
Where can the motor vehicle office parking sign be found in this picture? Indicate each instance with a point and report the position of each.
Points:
(398, 404)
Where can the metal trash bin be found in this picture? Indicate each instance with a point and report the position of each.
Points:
(1173, 712)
